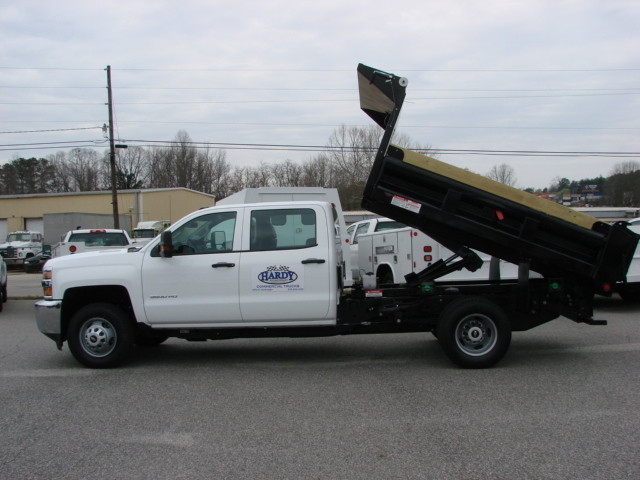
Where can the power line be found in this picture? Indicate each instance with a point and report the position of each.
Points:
(55, 130)
(313, 70)
(321, 148)
(311, 125)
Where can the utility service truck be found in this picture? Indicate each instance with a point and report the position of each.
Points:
(392, 254)
(91, 240)
(278, 269)
(146, 231)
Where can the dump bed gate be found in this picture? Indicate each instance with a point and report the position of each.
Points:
(455, 206)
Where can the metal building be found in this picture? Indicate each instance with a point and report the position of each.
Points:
(25, 212)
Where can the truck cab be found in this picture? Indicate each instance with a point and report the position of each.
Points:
(20, 246)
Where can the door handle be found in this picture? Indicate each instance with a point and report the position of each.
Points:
(223, 264)
(313, 260)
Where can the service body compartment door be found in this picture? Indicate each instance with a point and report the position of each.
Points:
(287, 266)
(199, 284)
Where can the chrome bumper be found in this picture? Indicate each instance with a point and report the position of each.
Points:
(48, 319)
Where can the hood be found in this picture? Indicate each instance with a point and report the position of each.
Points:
(15, 244)
(92, 259)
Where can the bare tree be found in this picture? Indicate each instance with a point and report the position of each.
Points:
(132, 167)
(84, 169)
(625, 168)
(503, 173)
(220, 172)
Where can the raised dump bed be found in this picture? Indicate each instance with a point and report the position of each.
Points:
(455, 206)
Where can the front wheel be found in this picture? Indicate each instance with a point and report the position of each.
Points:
(474, 332)
(100, 335)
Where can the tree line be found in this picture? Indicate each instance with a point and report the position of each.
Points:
(345, 165)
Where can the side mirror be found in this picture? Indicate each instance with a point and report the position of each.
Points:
(165, 248)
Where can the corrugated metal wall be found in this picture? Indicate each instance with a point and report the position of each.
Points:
(142, 205)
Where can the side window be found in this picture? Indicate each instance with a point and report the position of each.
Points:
(212, 233)
(350, 231)
(382, 226)
(362, 228)
(282, 229)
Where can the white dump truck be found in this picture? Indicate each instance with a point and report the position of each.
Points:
(277, 269)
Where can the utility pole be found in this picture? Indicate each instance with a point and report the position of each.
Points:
(112, 155)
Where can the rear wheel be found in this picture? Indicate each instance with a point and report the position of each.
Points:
(100, 335)
(474, 332)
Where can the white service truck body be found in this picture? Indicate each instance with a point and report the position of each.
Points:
(91, 240)
(362, 227)
(392, 254)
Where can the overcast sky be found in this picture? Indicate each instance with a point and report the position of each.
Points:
(529, 75)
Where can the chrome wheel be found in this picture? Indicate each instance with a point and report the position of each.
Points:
(476, 335)
(98, 337)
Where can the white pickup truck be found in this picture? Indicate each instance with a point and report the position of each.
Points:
(218, 269)
(91, 240)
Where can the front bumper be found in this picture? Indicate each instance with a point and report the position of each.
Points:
(48, 319)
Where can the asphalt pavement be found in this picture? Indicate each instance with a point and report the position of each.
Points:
(21, 285)
(562, 404)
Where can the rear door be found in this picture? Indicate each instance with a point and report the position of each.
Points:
(286, 265)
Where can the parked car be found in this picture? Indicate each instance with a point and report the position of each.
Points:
(34, 264)
(3, 283)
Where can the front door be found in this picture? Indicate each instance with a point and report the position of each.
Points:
(199, 284)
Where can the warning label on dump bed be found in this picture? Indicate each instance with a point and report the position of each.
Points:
(406, 204)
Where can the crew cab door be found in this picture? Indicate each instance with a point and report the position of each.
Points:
(198, 285)
(287, 266)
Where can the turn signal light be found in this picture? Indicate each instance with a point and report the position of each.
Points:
(73, 249)
(426, 249)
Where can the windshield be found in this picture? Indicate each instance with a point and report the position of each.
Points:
(148, 233)
(18, 237)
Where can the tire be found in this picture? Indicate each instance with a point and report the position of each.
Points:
(474, 332)
(4, 293)
(145, 340)
(387, 278)
(100, 335)
(629, 292)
